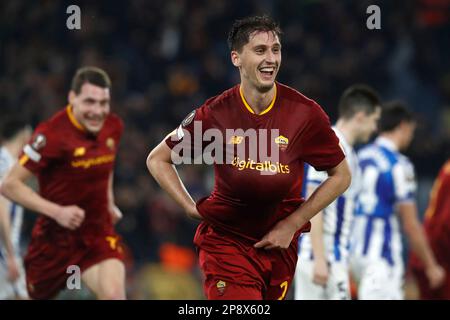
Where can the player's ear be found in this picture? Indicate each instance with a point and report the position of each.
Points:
(71, 96)
(235, 58)
(359, 116)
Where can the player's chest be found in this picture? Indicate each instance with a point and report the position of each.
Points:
(261, 139)
(88, 157)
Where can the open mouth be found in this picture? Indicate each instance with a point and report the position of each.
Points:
(267, 72)
(94, 122)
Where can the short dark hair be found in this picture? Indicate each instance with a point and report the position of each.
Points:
(241, 30)
(394, 113)
(11, 125)
(358, 97)
(92, 75)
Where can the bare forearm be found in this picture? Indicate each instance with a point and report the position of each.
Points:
(19, 192)
(326, 193)
(419, 244)
(5, 231)
(167, 177)
(317, 237)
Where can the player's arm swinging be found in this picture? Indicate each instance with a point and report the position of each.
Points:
(15, 189)
(280, 237)
(160, 165)
(116, 213)
(419, 243)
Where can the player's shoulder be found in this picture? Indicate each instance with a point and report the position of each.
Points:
(290, 94)
(55, 124)
(294, 99)
(403, 160)
(115, 121)
(222, 100)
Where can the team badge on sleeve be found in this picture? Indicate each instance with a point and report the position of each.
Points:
(39, 142)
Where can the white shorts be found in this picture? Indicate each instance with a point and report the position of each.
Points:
(377, 279)
(337, 288)
(16, 290)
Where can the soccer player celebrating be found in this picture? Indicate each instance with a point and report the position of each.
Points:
(247, 240)
(14, 133)
(388, 193)
(437, 228)
(72, 154)
(324, 272)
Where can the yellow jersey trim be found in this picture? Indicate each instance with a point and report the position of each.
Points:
(73, 119)
(23, 159)
(265, 110)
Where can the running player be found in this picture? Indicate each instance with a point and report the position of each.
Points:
(73, 154)
(247, 240)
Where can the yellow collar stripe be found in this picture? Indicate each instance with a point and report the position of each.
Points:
(73, 119)
(266, 110)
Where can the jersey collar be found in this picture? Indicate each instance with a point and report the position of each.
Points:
(247, 106)
(387, 143)
(73, 120)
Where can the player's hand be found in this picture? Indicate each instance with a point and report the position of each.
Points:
(435, 275)
(70, 217)
(320, 272)
(13, 268)
(280, 237)
(116, 214)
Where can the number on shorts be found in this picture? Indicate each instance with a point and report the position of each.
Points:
(112, 242)
(283, 286)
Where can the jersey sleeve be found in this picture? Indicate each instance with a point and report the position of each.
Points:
(404, 181)
(319, 145)
(186, 141)
(43, 148)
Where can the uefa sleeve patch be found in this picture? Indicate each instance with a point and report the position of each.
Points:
(188, 119)
(39, 142)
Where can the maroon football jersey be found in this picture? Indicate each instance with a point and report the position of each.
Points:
(73, 168)
(253, 192)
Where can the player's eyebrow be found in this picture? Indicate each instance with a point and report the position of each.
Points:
(93, 100)
(263, 46)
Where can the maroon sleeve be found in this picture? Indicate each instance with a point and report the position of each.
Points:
(186, 140)
(319, 144)
(43, 148)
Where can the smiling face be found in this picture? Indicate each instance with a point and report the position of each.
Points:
(259, 60)
(90, 106)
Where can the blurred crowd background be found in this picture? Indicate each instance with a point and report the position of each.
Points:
(165, 57)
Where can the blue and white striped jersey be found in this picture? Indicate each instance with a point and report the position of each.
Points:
(15, 211)
(387, 180)
(337, 217)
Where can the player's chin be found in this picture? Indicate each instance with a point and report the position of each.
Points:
(265, 86)
(94, 128)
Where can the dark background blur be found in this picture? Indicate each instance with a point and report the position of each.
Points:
(165, 57)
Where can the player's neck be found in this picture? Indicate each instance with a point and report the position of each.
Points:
(394, 137)
(258, 101)
(346, 129)
(13, 148)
